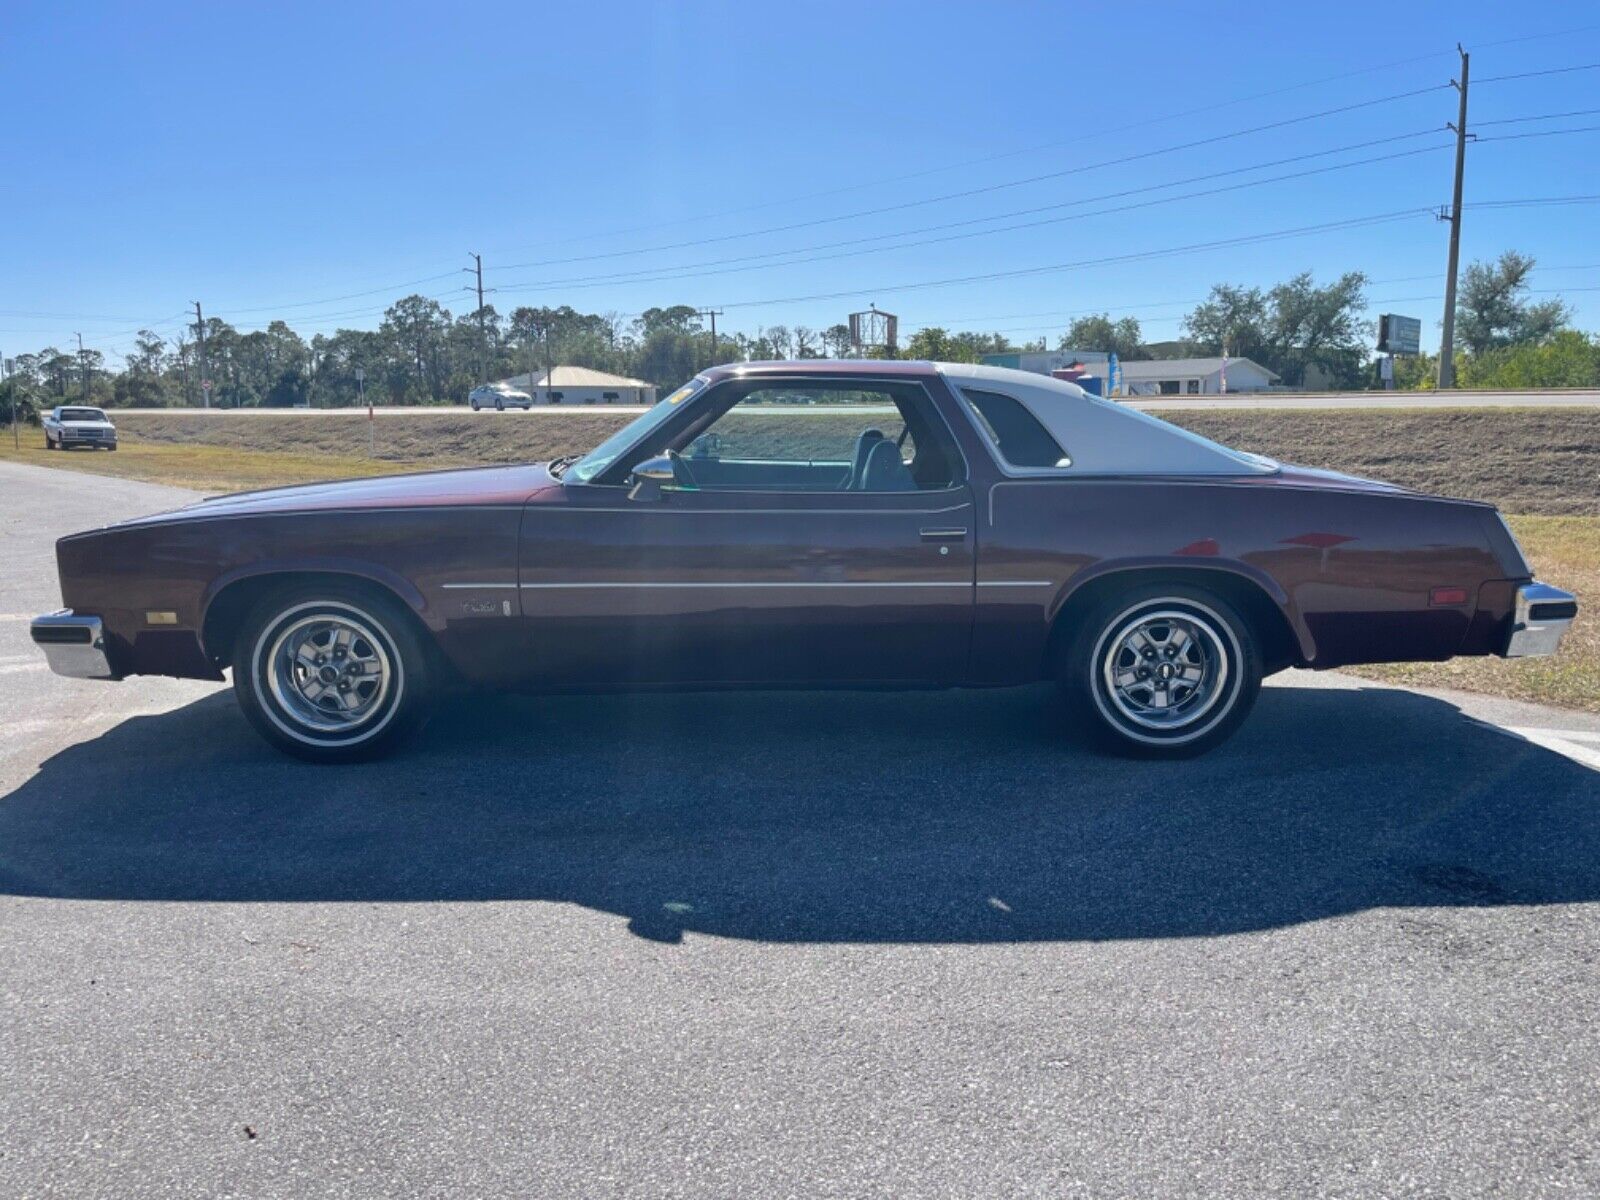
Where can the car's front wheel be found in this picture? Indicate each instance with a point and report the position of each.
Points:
(1163, 671)
(331, 674)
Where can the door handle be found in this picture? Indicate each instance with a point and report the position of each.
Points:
(944, 535)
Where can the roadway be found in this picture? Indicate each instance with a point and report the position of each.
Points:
(791, 944)
(1535, 398)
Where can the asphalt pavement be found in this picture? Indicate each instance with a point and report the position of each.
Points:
(785, 944)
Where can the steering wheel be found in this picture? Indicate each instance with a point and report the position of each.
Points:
(682, 473)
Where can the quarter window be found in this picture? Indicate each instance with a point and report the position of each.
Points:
(1016, 433)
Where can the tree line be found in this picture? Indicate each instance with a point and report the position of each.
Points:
(1317, 336)
(1311, 335)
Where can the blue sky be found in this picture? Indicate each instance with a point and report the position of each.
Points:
(315, 162)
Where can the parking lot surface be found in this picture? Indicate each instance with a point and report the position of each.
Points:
(785, 944)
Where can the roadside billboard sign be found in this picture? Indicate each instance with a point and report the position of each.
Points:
(1399, 335)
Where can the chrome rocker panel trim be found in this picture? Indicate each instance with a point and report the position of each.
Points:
(74, 646)
(1542, 617)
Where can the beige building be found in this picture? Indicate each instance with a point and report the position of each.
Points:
(580, 385)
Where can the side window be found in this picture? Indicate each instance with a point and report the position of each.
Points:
(819, 436)
(1016, 433)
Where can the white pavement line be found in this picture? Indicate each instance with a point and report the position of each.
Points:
(1560, 741)
(1557, 741)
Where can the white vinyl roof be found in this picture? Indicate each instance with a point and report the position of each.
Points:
(1174, 368)
(1102, 437)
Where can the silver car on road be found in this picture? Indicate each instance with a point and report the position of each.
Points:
(498, 396)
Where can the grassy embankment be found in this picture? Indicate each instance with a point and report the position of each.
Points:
(1542, 466)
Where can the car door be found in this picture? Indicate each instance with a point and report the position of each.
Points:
(776, 573)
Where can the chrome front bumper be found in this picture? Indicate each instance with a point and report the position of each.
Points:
(1542, 616)
(73, 646)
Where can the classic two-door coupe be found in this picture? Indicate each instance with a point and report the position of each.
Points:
(813, 524)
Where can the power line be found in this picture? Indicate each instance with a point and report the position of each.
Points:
(1156, 120)
(1041, 208)
(1214, 139)
(716, 267)
(1577, 112)
(1537, 74)
(695, 270)
(988, 189)
(1140, 256)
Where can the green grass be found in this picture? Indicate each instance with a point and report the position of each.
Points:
(204, 468)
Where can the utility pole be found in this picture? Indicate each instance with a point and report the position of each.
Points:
(83, 369)
(8, 369)
(200, 337)
(1447, 364)
(713, 313)
(483, 333)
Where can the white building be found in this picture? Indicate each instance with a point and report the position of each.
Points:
(580, 385)
(1193, 377)
(1042, 362)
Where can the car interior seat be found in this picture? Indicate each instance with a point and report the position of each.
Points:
(886, 471)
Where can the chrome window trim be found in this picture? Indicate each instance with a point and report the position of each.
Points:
(801, 381)
(670, 510)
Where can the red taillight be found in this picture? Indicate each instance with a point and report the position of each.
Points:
(1447, 595)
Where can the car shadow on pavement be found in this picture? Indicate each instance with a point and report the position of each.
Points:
(924, 817)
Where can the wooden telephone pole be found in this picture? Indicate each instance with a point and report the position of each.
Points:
(1447, 363)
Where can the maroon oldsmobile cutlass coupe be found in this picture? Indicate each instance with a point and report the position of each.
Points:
(817, 525)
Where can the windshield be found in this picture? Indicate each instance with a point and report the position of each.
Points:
(603, 455)
(82, 414)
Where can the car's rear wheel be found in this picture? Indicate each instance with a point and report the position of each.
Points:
(1163, 671)
(331, 673)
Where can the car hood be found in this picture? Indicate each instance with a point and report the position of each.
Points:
(86, 424)
(469, 487)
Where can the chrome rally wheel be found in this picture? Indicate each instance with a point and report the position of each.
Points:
(1164, 670)
(330, 677)
(330, 674)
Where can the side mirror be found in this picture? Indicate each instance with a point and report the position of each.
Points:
(649, 477)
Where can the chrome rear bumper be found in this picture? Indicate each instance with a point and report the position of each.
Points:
(73, 646)
(1542, 617)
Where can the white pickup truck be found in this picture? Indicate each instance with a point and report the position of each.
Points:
(69, 425)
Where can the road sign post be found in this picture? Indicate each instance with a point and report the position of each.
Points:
(205, 391)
